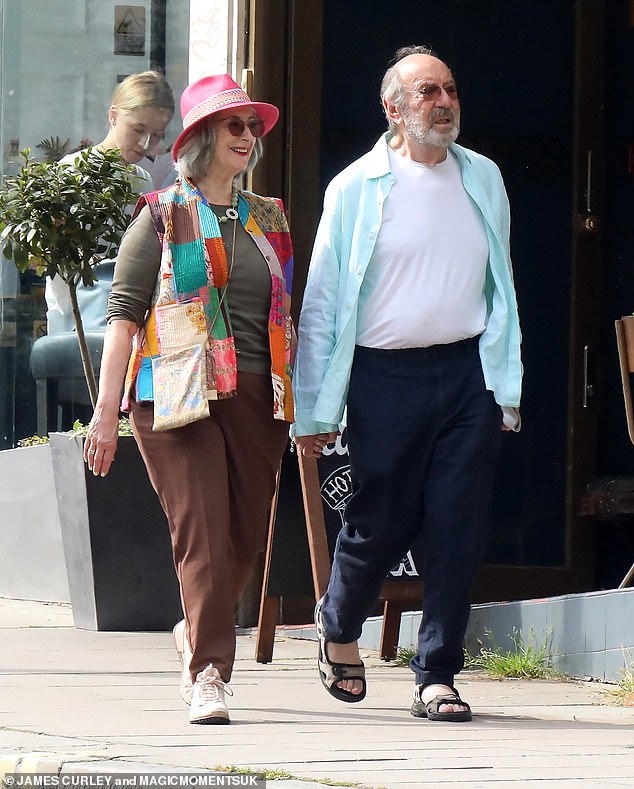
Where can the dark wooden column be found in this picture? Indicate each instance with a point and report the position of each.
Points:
(285, 46)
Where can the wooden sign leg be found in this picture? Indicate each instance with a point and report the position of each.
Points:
(315, 524)
(397, 598)
(269, 612)
(392, 611)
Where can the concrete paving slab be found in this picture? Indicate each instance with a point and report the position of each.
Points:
(30, 613)
(91, 701)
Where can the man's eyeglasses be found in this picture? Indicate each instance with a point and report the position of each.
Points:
(431, 92)
(236, 126)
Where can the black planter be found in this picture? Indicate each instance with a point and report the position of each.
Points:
(116, 541)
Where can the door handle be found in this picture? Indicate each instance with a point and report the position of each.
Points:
(588, 222)
(588, 385)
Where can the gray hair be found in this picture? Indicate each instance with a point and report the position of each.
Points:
(391, 86)
(196, 152)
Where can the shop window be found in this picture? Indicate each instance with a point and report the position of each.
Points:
(87, 46)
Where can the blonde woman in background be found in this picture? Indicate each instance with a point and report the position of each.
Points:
(140, 110)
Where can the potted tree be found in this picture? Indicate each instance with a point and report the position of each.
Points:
(60, 219)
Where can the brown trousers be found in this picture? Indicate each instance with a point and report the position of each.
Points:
(215, 479)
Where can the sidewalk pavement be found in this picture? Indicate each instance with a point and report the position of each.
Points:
(80, 701)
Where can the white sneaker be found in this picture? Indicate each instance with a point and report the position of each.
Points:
(184, 652)
(208, 699)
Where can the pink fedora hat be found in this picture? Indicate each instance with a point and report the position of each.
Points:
(209, 95)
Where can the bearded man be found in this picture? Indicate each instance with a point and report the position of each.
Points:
(409, 325)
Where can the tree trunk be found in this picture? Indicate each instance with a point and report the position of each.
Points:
(89, 370)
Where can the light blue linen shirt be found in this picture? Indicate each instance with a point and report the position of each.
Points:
(347, 232)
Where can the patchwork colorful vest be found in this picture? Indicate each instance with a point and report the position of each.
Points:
(194, 267)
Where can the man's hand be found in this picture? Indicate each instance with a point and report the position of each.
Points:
(313, 446)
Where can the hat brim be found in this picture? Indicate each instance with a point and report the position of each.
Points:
(268, 113)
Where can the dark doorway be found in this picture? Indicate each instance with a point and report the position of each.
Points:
(514, 65)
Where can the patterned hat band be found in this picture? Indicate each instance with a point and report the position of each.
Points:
(214, 104)
(209, 95)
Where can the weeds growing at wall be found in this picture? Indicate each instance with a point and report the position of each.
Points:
(525, 659)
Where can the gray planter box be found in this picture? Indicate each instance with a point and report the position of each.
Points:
(116, 541)
(32, 565)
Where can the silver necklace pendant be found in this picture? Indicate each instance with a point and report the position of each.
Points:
(231, 213)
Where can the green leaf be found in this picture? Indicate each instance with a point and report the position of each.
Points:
(65, 214)
(21, 257)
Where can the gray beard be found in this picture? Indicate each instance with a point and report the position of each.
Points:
(415, 127)
(439, 139)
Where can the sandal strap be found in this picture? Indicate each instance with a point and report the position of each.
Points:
(451, 698)
(347, 670)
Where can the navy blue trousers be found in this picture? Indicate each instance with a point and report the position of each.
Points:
(423, 437)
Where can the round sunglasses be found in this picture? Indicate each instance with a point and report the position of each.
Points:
(431, 92)
(236, 126)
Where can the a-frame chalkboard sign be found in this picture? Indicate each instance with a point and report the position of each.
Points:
(306, 516)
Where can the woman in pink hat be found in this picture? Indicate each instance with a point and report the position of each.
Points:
(202, 291)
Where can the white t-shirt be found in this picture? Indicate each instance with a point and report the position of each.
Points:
(425, 280)
(93, 299)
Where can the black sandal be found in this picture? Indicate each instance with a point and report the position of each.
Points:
(432, 711)
(331, 673)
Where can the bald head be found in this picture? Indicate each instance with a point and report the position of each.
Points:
(412, 66)
(404, 71)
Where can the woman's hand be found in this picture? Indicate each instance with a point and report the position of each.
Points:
(100, 445)
(313, 446)
(103, 431)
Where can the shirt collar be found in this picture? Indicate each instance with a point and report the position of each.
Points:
(379, 164)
